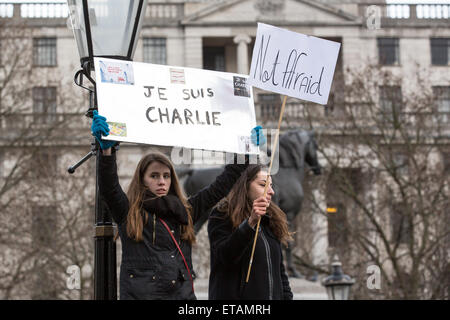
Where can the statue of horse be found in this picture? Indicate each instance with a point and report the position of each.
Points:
(296, 148)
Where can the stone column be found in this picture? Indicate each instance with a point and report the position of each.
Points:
(242, 41)
(193, 52)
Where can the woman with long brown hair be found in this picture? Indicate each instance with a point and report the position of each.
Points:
(155, 221)
(231, 230)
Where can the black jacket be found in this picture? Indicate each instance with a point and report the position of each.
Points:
(153, 268)
(230, 256)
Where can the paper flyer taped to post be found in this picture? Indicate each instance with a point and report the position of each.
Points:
(175, 106)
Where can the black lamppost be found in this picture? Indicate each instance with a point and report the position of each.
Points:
(337, 284)
(103, 28)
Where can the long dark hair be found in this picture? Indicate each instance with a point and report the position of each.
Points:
(137, 218)
(238, 206)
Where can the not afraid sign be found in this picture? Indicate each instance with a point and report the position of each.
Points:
(293, 64)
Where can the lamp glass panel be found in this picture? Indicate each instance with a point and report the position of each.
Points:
(111, 22)
(341, 292)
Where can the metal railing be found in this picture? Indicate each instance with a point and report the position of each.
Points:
(156, 11)
(30, 10)
(170, 11)
(44, 10)
(164, 12)
(410, 11)
(160, 13)
(6, 10)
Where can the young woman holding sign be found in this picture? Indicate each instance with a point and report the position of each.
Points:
(231, 229)
(155, 220)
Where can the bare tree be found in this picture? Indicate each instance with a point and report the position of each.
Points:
(46, 220)
(386, 148)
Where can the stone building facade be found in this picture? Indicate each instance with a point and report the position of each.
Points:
(219, 35)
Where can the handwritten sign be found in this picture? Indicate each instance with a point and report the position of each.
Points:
(293, 64)
(174, 106)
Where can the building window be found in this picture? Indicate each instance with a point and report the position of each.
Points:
(214, 58)
(44, 52)
(155, 50)
(400, 164)
(329, 107)
(2, 159)
(442, 96)
(44, 104)
(390, 103)
(337, 226)
(47, 162)
(440, 51)
(43, 232)
(270, 104)
(388, 51)
(401, 229)
(43, 226)
(446, 162)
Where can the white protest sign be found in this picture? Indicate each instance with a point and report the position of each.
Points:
(175, 106)
(293, 64)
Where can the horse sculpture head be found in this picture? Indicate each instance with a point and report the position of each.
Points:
(298, 147)
(311, 154)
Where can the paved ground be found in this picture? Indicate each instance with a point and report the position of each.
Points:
(302, 289)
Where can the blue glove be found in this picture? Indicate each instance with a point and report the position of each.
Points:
(257, 136)
(99, 127)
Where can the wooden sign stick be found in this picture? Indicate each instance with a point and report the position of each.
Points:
(267, 184)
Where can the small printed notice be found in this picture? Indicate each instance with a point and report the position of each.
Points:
(240, 87)
(244, 144)
(116, 72)
(117, 129)
(177, 76)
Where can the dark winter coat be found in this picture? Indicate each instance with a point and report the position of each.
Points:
(154, 268)
(230, 256)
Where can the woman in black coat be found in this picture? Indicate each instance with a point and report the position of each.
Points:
(231, 230)
(155, 221)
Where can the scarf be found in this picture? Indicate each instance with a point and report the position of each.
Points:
(167, 207)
